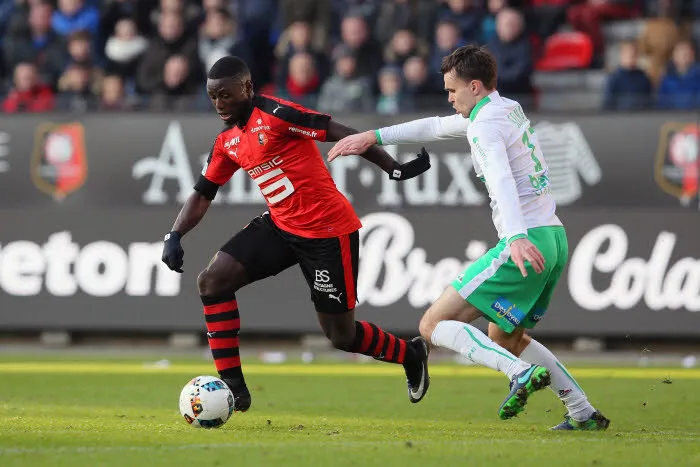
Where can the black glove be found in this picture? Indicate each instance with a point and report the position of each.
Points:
(173, 252)
(411, 168)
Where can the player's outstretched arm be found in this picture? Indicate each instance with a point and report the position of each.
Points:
(378, 156)
(422, 130)
(190, 215)
(374, 154)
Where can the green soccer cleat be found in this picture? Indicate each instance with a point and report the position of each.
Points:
(596, 422)
(521, 387)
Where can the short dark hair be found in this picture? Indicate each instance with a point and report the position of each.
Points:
(472, 62)
(228, 67)
(224, 13)
(447, 22)
(81, 35)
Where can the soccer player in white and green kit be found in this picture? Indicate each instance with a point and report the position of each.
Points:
(512, 284)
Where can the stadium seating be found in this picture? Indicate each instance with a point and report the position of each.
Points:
(566, 51)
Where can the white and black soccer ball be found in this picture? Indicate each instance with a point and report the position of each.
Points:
(206, 402)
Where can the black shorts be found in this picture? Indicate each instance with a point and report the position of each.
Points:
(329, 265)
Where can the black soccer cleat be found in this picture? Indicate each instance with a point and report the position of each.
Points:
(241, 395)
(416, 369)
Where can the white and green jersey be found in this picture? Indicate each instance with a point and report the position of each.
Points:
(506, 157)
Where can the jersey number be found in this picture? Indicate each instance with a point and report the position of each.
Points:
(539, 182)
(284, 183)
(526, 141)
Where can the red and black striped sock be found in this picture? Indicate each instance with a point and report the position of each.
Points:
(372, 340)
(223, 324)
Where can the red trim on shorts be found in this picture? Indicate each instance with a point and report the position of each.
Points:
(346, 258)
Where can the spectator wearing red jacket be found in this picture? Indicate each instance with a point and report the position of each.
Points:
(28, 94)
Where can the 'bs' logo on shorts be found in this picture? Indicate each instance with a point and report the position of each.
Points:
(322, 276)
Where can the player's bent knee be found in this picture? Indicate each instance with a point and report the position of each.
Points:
(204, 283)
(211, 284)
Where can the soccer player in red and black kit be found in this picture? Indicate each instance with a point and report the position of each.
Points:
(309, 223)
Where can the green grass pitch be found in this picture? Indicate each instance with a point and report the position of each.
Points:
(119, 413)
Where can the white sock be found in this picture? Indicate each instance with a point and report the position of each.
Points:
(473, 344)
(563, 384)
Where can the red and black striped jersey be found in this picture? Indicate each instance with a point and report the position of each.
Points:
(276, 147)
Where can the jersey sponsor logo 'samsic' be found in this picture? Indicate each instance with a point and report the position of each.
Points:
(263, 173)
(265, 166)
(311, 134)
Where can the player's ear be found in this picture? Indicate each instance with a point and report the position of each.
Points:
(248, 88)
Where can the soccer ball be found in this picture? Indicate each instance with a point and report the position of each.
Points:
(206, 402)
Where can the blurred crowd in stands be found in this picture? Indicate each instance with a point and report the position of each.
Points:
(338, 56)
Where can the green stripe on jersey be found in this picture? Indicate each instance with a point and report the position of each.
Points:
(478, 107)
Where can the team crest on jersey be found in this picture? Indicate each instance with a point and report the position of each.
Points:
(677, 165)
(59, 162)
(262, 138)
